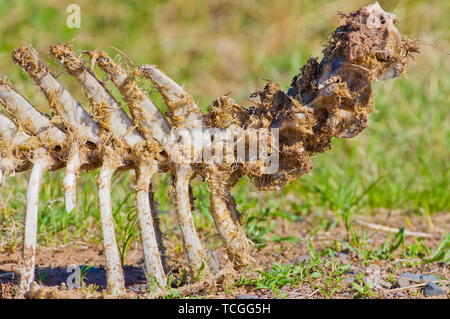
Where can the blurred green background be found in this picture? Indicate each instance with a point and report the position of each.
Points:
(400, 162)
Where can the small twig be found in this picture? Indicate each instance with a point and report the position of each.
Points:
(405, 288)
(414, 286)
(394, 230)
(310, 295)
(195, 287)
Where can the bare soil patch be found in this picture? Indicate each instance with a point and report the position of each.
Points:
(52, 262)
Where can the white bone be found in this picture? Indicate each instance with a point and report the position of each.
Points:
(32, 120)
(193, 247)
(177, 99)
(41, 164)
(115, 280)
(73, 165)
(152, 257)
(98, 94)
(73, 114)
(149, 117)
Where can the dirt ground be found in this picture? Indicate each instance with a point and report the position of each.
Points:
(52, 262)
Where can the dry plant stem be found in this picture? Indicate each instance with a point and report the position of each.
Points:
(191, 241)
(394, 230)
(41, 164)
(152, 258)
(114, 274)
(223, 277)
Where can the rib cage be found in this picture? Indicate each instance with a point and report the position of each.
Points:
(327, 99)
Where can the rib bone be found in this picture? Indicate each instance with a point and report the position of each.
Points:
(33, 121)
(145, 112)
(82, 127)
(115, 122)
(185, 113)
(42, 163)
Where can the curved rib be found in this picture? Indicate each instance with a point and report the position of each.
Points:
(225, 216)
(146, 115)
(152, 258)
(114, 274)
(111, 116)
(82, 127)
(66, 106)
(73, 165)
(183, 111)
(145, 112)
(191, 241)
(11, 138)
(41, 164)
(28, 116)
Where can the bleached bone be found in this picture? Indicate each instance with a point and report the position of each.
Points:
(153, 124)
(146, 115)
(51, 138)
(192, 245)
(81, 127)
(33, 121)
(11, 139)
(42, 162)
(151, 247)
(184, 112)
(102, 101)
(113, 118)
(74, 162)
(115, 280)
(117, 123)
(37, 124)
(226, 219)
(73, 115)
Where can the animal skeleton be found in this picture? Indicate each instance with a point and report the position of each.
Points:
(325, 100)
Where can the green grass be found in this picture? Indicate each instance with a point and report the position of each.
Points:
(400, 162)
(321, 271)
